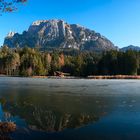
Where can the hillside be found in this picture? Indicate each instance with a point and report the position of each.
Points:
(130, 47)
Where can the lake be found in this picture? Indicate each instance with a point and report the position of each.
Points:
(71, 109)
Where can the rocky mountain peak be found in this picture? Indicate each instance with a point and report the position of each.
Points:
(58, 33)
(53, 21)
(130, 47)
(38, 22)
(10, 34)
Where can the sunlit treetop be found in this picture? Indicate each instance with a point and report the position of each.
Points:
(9, 5)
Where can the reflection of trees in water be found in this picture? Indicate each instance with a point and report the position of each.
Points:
(39, 118)
(6, 126)
(53, 121)
(56, 113)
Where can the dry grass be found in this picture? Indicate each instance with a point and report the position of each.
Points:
(7, 127)
(115, 77)
(39, 76)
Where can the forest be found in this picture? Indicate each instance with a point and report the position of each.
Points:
(32, 62)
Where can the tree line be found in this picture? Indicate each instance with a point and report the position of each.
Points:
(32, 62)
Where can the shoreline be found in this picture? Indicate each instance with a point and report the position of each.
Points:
(88, 77)
(91, 77)
(115, 77)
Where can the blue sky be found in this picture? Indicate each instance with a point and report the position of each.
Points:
(118, 20)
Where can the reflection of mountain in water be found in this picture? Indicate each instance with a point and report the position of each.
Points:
(54, 105)
(42, 111)
(48, 120)
(40, 119)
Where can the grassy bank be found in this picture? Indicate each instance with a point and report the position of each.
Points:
(88, 77)
(115, 77)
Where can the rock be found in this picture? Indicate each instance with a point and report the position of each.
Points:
(59, 34)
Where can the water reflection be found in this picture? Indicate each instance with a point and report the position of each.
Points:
(53, 116)
(73, 109)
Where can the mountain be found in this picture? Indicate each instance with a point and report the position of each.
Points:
(59, 34)
(130, 47)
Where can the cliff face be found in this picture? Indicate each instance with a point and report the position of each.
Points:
(58, 34)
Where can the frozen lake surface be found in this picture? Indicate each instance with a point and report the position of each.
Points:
(71, 109)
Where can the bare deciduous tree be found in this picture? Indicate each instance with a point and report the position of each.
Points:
(9, 5)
